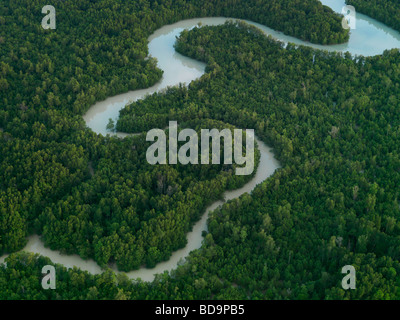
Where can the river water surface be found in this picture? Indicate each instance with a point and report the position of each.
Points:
(369, 38)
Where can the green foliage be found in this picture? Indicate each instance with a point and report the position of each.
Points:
(333, 124)
(57, 177)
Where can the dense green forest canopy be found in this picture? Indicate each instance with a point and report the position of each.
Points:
(331, 118)
(333, 121)
(49, 78)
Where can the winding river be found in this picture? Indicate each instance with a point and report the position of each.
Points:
(369, 38)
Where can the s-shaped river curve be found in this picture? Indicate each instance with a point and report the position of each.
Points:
(370, 38)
